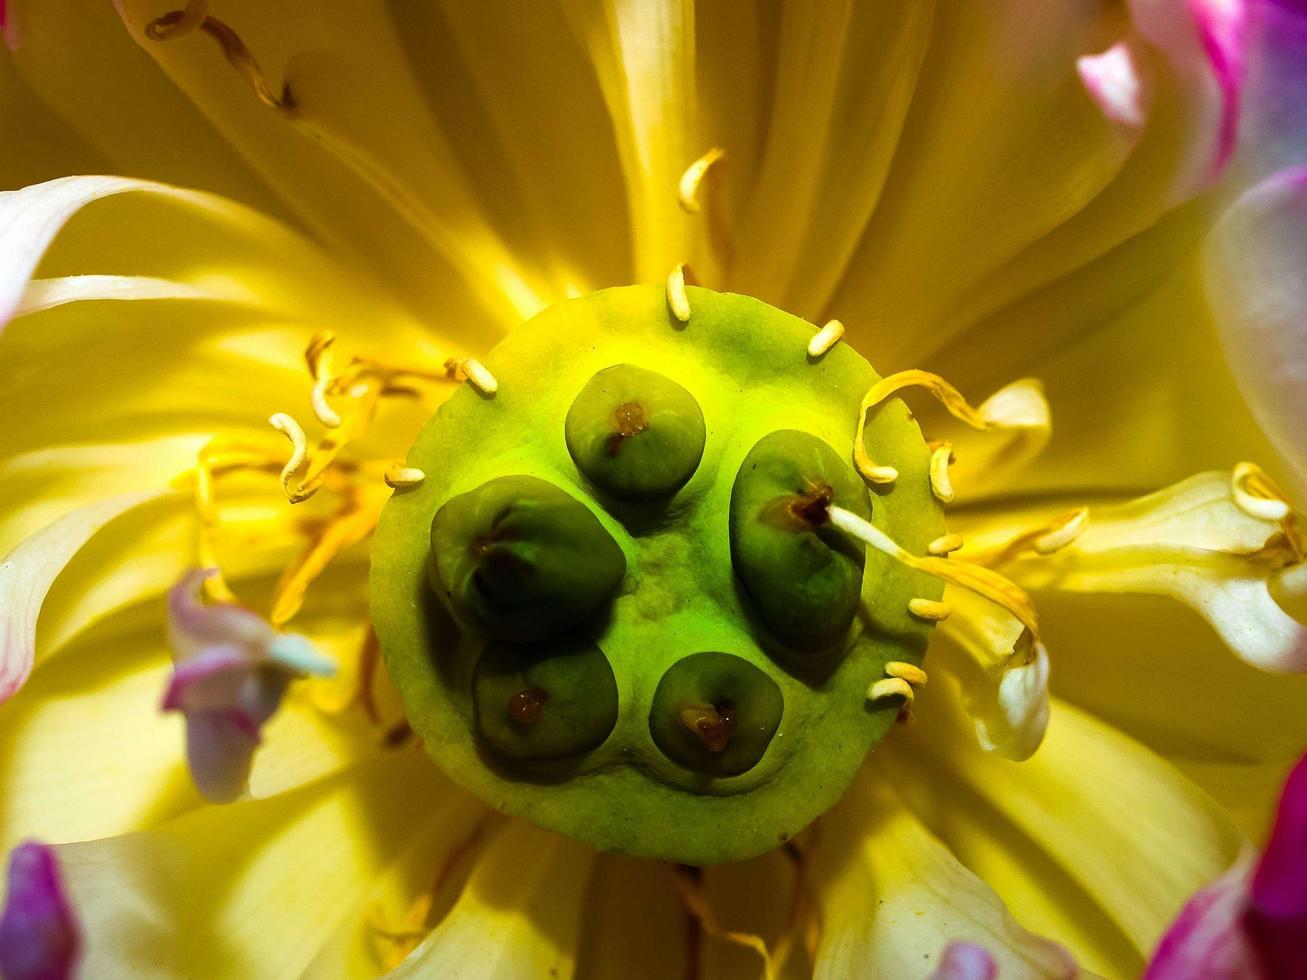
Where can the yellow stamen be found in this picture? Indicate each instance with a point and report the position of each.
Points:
(888, 687)
(292, 474)
(318, 353)
(401, 477)
(322, 409)
(929, 609)
(1257, 495)
(677, 298)
(1046, 539)
(694, 174)
(911, 673)
(180, 23)
(825, 338)
(479, 376)
(945, 544)
(1000, 411)
(983, 581)
(940, 485)
(689, 887)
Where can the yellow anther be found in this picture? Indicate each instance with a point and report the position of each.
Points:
(322, 409)
(180, 23)
(825, 338)
(940, 484)
(1017, 405)
(400, 477)
(677, 298)
(318, 353)
(983, 581)
(1257, 495)
(479, 376)
(292, 474)
(930, 609)
(945, 544)
(694, 174)
(889, 687)
(1062, 531)
(911, 673)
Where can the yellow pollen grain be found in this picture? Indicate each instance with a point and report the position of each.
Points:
(945, 544)
(911, 673)
(929, 609)
(688, 187)
(889, 687)
(677, 297)
(400, 477)
(1256, 495)
(940, 484)
(478, 375)
(298, 463)
(1063, 533)
(825, 338)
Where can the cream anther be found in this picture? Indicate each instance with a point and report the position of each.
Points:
(400, 477)
(940, 484)
(1256, 495)
(945, 545)
(825, 338)
(298, 464)
(889, 687)
(677, 298)
(322, 409)
(178, 23)
(911, 673)
(688, 187)
(930, 609)
(479, 376)
(1063, 533)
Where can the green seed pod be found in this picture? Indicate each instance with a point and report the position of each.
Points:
(715, 713)
(544, 702)
(523, 559)
(635, 433)
(804, 577)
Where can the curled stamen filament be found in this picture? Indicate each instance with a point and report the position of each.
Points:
(677, 298)
(983, 581)
(688, 187)
(292, 474)
(181, 23)
(1047, 539)
(947, 395)
(689, 887)
(940, 484)
(1256, 494)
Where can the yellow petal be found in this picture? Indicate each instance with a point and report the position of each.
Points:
(892, 897)
(251, 890)
(27, 573)
(518, 916)
(50, 148)
(643, 55)
(844, 77)
(634, 925)
(1192, 542)
(1124, 825)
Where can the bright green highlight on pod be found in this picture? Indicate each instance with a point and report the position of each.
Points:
(613, 607)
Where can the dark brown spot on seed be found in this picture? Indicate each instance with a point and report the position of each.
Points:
(629, 420)
(525, 707)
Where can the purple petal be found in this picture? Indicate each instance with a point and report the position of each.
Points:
(965, 961)
(1276, 918)
(220, 750)
(39, 939)
(193, 626)
(1208, 939)
(212, 679)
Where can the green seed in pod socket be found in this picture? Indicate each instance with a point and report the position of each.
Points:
(803, 577)
(545, 701)
(522, 559)
(635, 433)
(715, 713)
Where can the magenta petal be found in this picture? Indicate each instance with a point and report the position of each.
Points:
(39, 938)
(1276, 918)
(965, 961)
(219, 751)
(1208, 939)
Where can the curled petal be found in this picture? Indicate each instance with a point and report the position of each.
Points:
(1277, 918)
(1206, 939)
(39, 938)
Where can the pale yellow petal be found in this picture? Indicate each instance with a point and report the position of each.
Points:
(1125, 826)
(254, 889)
(892, 897)
(50, 147)
(635, 924)
(518, 916)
